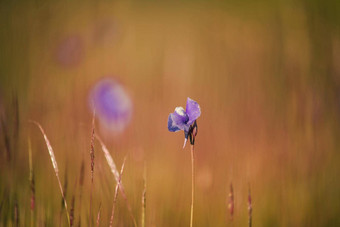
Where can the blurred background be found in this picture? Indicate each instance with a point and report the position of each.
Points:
(266, 75)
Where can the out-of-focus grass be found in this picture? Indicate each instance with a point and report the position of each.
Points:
(266, 75)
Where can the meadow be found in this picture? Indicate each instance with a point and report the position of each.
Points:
(266, 75)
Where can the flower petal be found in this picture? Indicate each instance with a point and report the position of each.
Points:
(171, 125)
(193, 110)
(181, 114)
(178, 119)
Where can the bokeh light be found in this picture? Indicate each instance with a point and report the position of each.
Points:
(113, 106)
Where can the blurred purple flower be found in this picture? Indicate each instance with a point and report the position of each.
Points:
(185, 120)
(111, 104)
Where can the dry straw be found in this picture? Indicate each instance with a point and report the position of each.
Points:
(72, 217)
(6, 138)
(92, 164)
(144, 197)
(16, 214)
(92, 149)
(81, 182)
(231, 204)
(116, 192)
(115, 173)
(31, 180)
(250, 209)
(55, 166)
(72, 210)
(109, 160)
(16, 116)
(98, 215)
(65, 189)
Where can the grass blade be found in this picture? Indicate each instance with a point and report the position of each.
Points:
(55, 166)
(6, 138)
(92, 164)
(115, 173)
(231, 204)
(72, 210)
(98, 215)
(144, 197)
(109, 159)
(31, 180)
(116, 192)
(250, 209)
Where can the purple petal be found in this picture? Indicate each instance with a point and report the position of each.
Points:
(181, 115)
(193, 110)
(178, 119)
(171, 125)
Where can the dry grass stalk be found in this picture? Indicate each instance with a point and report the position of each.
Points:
(231, 203)
(109, 160)
(98, 215)
(4, 200)
(65, 189)
(72, 217)
(31, 179)
(62, 199)
(1, 204)
(144, 197)
(72, 210)
(92, 148)
(250, 209)
(55, 166)
(82, 171)
(16, 214)
(115, 173)
(30, 164)
(16, 116)
(92, 163)
(32, 200)
(6, 138)
(116, 192)
(81, 183)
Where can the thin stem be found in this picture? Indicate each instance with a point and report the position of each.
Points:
(192, 185)
(116, 192)
(81, 182)
(31, 180)
(91, 189)
(250, 208)
(114, 203)
(32, 216)
(65, 203)
(55, 165)
(116, 174)
(144, 197)
(98, 215)
(92, 164)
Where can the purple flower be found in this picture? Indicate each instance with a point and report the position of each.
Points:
(111, 104)
(185, 120)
